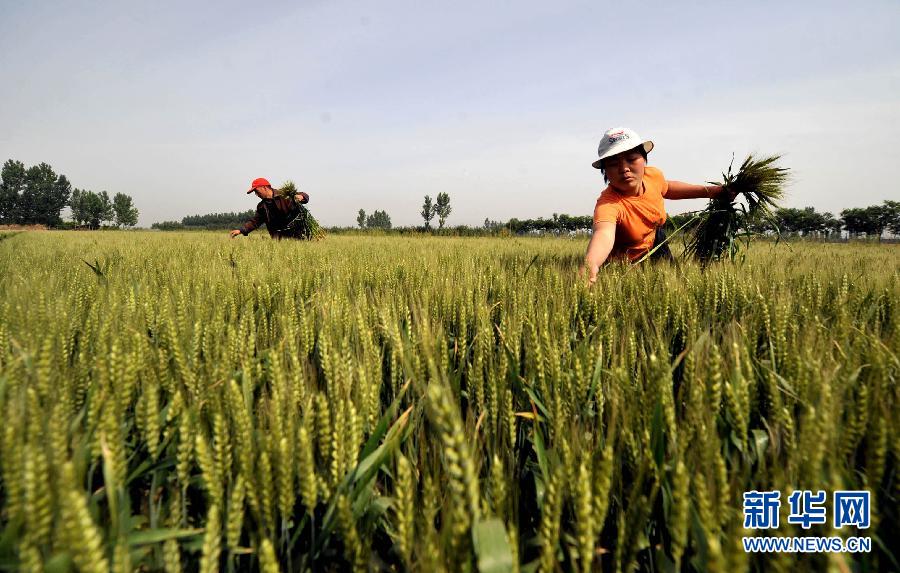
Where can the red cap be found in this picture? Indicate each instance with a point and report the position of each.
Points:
(259, 182)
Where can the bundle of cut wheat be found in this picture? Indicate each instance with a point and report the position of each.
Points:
(303, 224)
(761, 183)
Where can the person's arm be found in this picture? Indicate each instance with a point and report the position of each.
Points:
(602, 241)
(302, 198)
(253, 223)
(678, 190)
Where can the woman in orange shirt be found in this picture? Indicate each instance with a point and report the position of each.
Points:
(629, 214)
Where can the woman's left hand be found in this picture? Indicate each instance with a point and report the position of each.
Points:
(719, 192)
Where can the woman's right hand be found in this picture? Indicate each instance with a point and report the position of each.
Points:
(592, 273)
(235, 233)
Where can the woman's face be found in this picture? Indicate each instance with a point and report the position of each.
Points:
(625, 171)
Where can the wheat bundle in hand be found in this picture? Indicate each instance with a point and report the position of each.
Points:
(717, 230)
(303, 224)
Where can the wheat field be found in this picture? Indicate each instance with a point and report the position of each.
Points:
(183, 402)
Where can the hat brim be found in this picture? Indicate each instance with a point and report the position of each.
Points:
(615, 150)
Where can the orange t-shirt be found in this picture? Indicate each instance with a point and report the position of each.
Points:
(636, 218)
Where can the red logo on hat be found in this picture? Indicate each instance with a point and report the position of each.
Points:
(618, 136)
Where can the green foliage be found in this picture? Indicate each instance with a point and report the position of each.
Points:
(678, 220)
(210, 221)
(442, 208)
(804, 222)
(558, 224)
(790, 221)
(892, 209)
(174, 226)
(126, 214)
(33, 196)
(872, 220)
(361, 219)
(378, 220)
(395, 404)
(428, 211)
(12, 184)
(491, 225)
(91, 209)
(37, 196)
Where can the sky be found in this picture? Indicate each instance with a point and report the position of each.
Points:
(500, 104)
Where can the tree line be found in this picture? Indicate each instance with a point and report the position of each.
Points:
(559, 223)
(439, 208)
(37, 195)
(871, 221)
(209, 222)
(376, 220)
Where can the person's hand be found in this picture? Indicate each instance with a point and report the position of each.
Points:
(592, 278)
(235, 233)
(719, 192)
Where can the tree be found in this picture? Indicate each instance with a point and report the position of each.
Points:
(443, 208)
(491, 225)
(830, 225)
(32, 196)
(59, 197)
(12, 183)
(893, 216)
(92, 209)
(870, 220)
(378, 220)
(361, 219)
(428, 211)
(854, 220)
(559, 223)
(168, 226)
(677, 221)
(33, 208)
(77, 206)
(126, 214)
(105, 210)
(81, 204)
(575, 223)
(803, 222)
(216, 221)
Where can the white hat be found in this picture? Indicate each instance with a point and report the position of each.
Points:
(617, 140)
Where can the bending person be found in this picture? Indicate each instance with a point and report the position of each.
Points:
(630, 213)
(277, 210)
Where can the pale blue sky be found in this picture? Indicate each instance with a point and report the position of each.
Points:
(501, 104)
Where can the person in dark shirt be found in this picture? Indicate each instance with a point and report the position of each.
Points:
(276, 210)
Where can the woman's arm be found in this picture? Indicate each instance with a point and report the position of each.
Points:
(679, 190)
(602, 241)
